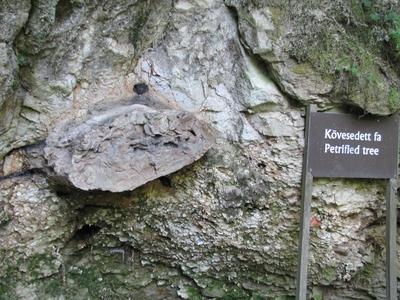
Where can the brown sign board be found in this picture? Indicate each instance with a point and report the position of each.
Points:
(343, 145)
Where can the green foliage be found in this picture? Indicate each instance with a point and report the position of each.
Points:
(6, 292)
(193, 293)
(257, 297)
(361, 61)
(394, 32)
(15, 84)
(53, 286)
(235, 294)
(329, 273)
(22, 60)
(387, 19)
(36, 263)
(351, 69)
(394, 99)
(367, 3)
(317, 295)
(366, 274)
(135, 34)
(374, 16)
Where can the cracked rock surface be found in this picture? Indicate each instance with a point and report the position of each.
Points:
(125, 147)
(189, 189)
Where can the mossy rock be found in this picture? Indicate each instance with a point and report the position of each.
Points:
(330, 53)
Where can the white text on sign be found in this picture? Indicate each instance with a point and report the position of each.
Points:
(332, 134)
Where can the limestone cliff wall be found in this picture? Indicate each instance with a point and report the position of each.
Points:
(228, 77)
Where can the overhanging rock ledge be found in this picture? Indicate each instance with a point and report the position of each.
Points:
(126, 146)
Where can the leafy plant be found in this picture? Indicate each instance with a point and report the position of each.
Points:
(394, 99)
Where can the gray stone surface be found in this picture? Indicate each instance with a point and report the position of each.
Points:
(326, 52)
(226, 225)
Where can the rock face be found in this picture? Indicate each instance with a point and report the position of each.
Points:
(134, 213)
(327, 52)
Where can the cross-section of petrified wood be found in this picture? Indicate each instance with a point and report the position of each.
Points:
(124, 147)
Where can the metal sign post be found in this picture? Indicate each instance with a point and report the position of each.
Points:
(391, 244)
(306, 192)
(342, 145)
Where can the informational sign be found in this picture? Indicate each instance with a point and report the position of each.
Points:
(342, 145)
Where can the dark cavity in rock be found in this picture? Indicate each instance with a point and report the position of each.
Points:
(140, 88)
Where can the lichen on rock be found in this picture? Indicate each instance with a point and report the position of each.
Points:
(329, 52)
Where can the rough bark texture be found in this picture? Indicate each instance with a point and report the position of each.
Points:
(225, 226)
(125, 147)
